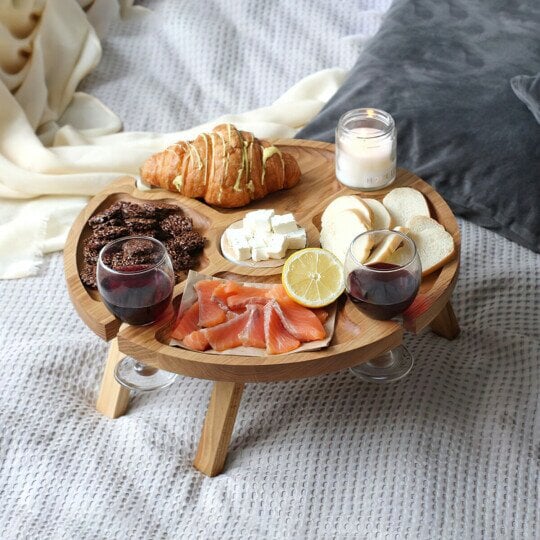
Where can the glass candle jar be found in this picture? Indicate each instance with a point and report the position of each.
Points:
(366, 149)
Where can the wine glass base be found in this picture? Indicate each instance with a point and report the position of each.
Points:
(136, 376)
(387, 368)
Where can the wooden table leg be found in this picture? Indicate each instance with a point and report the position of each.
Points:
(218, 427)
(445, 324)
(113, 398)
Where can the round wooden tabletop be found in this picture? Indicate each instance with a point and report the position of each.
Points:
(357, 337)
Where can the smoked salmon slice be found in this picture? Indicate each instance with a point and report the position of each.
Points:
(227, 335)
(277, 292)
(226, 289)
(253, 333)
(196, 340)
(299, 321)
(236, 296)
(247, 295)
(211, 312)
(278, 340)
(187, 323)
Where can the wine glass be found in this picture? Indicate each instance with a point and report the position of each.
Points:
(135, 279)
(383, 288)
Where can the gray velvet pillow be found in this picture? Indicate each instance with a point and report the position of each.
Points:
(443, 68)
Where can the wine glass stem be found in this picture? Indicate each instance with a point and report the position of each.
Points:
(144, 370)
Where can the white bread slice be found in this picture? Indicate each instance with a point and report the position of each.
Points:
(422, 223)
(404, 230)
(401, 257)
(381, 216)
(347, 202)
(404, 203)
(434, 244)
(362, 248)
(384, 250)
(340, 230)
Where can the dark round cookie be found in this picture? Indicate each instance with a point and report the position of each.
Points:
(90, 255)
(182, 261)
(134, 210)
(189, 241)
(99, 220)
(140, 224)
(163, 210)
(106, 232)
(121, 262)
(152, 233)
(176, 224)
(92, 247)
(137, 247)
(88, 276)
(117, 260)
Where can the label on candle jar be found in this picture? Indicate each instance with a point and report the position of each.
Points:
(365, 161)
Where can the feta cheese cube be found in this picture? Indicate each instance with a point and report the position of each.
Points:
(276, 246)
(283, 224)
(296, 239)
(238, 244)
(259, 253)
(237, 235)
(258, 221)
(241, 253)
(259, 239)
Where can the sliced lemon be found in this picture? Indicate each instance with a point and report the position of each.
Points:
(313, 277)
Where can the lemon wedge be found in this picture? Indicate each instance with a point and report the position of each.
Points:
(313, 277)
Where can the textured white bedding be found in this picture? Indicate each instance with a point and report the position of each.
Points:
(452, 451)
(190, 61)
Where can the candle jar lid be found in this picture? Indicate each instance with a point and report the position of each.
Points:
(366, 149)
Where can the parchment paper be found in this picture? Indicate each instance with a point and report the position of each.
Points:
(190, 297)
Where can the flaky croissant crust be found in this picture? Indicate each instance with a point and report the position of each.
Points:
(227, 168)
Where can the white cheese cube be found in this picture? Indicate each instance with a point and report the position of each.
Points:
(258, 221)
(296, 239)
(283, 224)
(276, 246)
(259, 239)
(237, 235)
(240, 253)
(238, 244)
(259, 253)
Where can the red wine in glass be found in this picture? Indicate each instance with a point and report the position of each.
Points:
(383, 289)
(137, 296)
(135, 279)
(383, 293)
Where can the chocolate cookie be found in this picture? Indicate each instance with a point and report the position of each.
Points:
(187, 242)
(182, 261)
(138, 224)
(122, 262)
(175, 224)
(108, 233)
(111, 215)
(163, 210)
(88, 276)
(91, 248)
(137, 247)
(133, 210)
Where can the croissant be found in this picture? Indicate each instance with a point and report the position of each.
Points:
(227, 168)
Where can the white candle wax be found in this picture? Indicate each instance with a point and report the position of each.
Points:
(366, 159)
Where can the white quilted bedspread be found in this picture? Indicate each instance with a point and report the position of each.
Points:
(452, 451)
